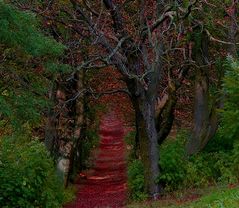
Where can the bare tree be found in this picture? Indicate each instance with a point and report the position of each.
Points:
(140, 57)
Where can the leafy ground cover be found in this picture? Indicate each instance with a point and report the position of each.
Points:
(214, 197)
(105, 184)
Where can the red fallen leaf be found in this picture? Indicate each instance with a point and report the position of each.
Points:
(107, 185)
(82, 175)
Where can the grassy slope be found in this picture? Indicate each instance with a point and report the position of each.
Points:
(219, 198)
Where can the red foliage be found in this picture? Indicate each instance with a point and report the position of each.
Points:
(107, 80)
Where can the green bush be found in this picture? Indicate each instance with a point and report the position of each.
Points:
(219, 142)
(172, 163)
(230, 113)
(235, 159)
(211, 168)
(27, 176)
(198, 172)
(136, 180)
(130, 138)
(203, 169)
(229, 126)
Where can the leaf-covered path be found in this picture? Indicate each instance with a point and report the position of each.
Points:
(105, 186)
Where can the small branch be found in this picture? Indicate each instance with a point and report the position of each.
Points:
(76, 96)
(159, 21)
(217, 40)
(210, 4)
(177, 49)
(89, 7)
(116, 48)
(98, 95)
(88, 64)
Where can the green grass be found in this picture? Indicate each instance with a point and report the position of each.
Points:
(70, 194)
(220, 199)
(216, 198)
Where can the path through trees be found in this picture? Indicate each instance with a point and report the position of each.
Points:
(106, 186)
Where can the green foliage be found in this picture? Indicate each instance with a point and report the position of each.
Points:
(228, 131)
(230, 113)
(27, 176)
(201, 170)
(216, 198)
(90, 142)
(19, 29)
(69, 194)
(24, 52)
(197, 173)
(136, 180)
(219, 142)
(225, 198)
(235, 159)
(172, 163)
(212, 167)
(130, 141)
(21, 108)
(56, 67)
(130, 138)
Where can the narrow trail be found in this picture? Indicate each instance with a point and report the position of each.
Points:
(105, 185)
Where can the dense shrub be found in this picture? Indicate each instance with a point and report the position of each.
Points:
(219, 142)
(229, 126)
(178, 171)
(230, 113)
(203, 169)
(208, 169)
(172, 163)
(235, 159)
(27, 176)
(136, 180)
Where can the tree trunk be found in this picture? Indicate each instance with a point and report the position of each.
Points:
(148, 146)
(201, 114)
(205, 118)
(76, 158)
(143, 150)
(50, 129)
(233, 30)
(165, 117)
(149, 119)
(138, 129)
(146, 135)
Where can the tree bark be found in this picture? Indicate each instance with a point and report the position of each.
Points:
(146, 135)
(76, 158)
(201, 114)
(148, 145)
(205, 118)
(149, 119)
(233, 29)
(165, 118)
(51, 125)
